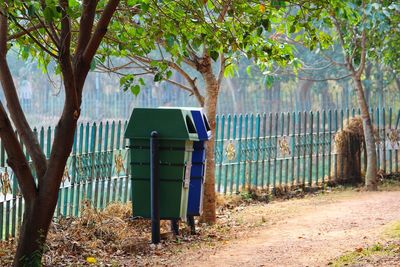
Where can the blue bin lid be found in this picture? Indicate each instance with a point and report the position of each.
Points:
(201, 124)
(200, 121)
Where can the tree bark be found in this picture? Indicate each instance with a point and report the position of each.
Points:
(371, 174)
(33, 232)
(211, 100)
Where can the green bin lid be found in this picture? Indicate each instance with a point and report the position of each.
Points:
(173, 124)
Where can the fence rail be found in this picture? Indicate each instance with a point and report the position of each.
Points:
(264, 151)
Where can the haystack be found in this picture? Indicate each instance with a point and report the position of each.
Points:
(349, 143)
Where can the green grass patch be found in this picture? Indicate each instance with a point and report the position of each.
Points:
(393, 230)
(376, 250)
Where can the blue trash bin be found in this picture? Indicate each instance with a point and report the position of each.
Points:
(197, 173)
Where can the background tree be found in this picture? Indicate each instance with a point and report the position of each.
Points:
(203, 41)
(67, 32)
(358, 27)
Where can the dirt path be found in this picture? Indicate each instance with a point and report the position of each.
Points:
(312, 233)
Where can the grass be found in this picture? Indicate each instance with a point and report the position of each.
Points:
(377, 250)
(393, 231)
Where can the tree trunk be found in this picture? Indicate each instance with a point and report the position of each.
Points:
(304, 95)
(34, 229)
(370, 148)
(38, 212)
(212, 91)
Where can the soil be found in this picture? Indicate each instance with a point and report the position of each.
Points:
(306, 232)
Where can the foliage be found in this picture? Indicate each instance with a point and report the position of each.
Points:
(181, 31)
(380, 20)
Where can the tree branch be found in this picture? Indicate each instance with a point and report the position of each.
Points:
(36, 41)
(347, 58)
(325, 79)
(86, 25)
(221, 69)
(51, 34)
(224, 10)
(100, 32)
(17, 115)
(16, 158)
(71, 94)
(3, 30)
(24, 32)
(361, 68)
(173, 65)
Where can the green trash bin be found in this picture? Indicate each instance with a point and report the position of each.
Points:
(176, 133)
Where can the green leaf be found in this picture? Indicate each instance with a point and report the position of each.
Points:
(259, 31)
(73, 3)
(158, 77)
(49, 14)
(141, 81)
(292, 28)
(214, 55)
(170, 41)
(31, 10)
(269, 81)
(248, 70)
(266, 24)
(135, 89)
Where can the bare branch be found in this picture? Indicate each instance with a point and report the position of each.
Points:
(180, 85)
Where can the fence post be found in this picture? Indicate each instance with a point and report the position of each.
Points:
(384, 139)
(232, 175)
(270, 150)
(299, 149)
(282, 122)
(228, 136)
(263, 147)
(257, 157)
(239, 153)
(244, 173)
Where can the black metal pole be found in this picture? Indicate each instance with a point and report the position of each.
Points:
(154, 188)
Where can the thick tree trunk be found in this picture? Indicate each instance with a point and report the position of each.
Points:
(370, 148)
(33, 231)
(39, 212)
(212, 91)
